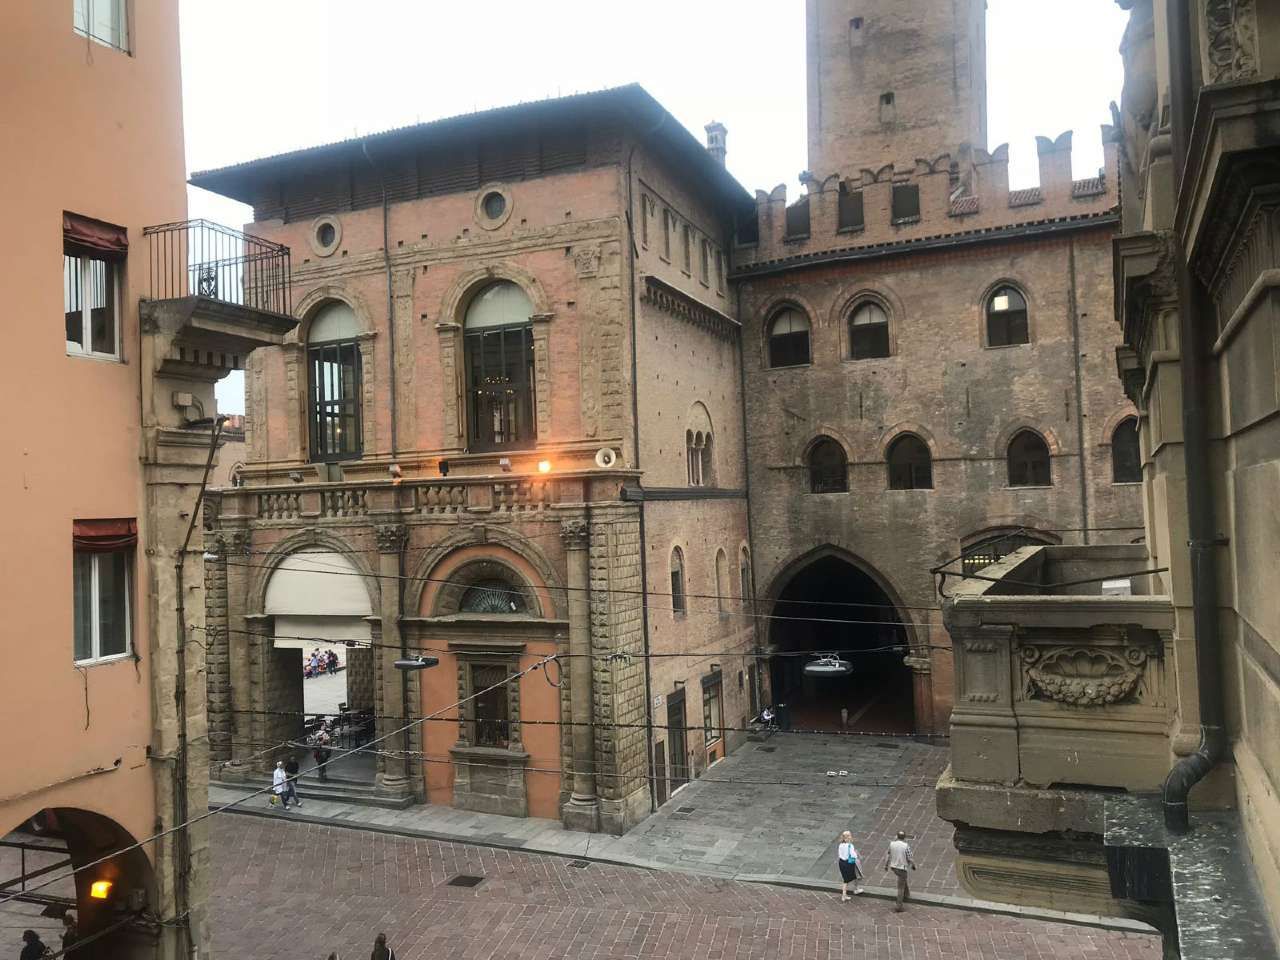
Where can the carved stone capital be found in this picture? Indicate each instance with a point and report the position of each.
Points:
(575, 533)
(391, 537)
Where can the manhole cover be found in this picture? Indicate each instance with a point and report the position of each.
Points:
(464, 880)
(685, 809)
(580, 864)
(767, 749)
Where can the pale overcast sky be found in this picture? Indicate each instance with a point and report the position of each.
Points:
(264, 76)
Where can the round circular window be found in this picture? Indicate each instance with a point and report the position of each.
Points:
(494, 205)
(326, 234)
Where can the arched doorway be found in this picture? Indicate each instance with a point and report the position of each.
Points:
(36, 858)
(828, 602)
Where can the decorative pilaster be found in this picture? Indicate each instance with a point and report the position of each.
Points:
(542, 373)
(450, 338)
(393, 772)
(582, 810)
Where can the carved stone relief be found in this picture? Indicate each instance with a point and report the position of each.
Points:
(1082, 676)
(1231, 40)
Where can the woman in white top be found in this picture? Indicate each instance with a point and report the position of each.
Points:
(847, 861)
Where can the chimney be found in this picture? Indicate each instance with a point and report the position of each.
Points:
(716, 134)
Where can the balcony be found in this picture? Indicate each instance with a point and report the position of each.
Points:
(213, 295)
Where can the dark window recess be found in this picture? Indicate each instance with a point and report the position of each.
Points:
(748, 228)
(1126, 457)
(493, 596)
(789, 339)
(888, 112)
(500, 386)
(492, 722)
(868, 332)
(906, 202)
(678, 604)
(677, 739)
(1028, 460)
(988, 551)
(335, 400)
(849, 209)
(1006, 318)
(910, 466)
(712, 708)
(828, 468)
(798, 219)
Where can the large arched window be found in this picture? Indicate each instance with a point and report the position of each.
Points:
(1126, 458)
(788, 338)
(678, 602)
(333, 405)
(697, 448)
(493, 596)
(828, 468)
(498, 334)
(910, 466)
(868, 331)
(1006, 318)
(1028, 460)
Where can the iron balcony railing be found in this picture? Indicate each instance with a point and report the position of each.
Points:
(193, 258)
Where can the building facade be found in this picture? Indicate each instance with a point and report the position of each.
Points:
(1187, 633)
(511, 410)
(102, 599)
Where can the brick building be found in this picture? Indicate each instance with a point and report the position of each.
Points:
(560, 387)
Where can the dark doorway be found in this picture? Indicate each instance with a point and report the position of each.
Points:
(660, 771)
(678, 741)
(832, 606)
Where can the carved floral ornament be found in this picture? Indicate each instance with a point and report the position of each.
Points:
(1231, 39)
(1083, 676)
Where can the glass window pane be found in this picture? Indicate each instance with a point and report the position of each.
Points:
(101, 294)
(72, 300)
(113, 603)
(82, 604)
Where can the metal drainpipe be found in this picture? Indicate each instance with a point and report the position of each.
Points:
(391, 316)
(748, 603)
(1074, 307)
(1194, 375)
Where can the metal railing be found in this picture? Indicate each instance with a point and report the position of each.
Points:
(193, 258)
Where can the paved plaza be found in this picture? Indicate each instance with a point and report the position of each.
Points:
(295, 890)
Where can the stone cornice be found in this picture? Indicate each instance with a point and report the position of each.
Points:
(680, 305)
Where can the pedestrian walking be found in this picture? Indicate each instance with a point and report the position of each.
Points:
(380, 949)
(278, 781)
(847, 861)
(33, 947)
(69, 933)
(320, 750)
(291, 781)
(898, 860)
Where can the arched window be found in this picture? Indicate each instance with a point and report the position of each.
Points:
(333, 397)
(498, 335)
(1006, 318)
(910, 466)
(987, 551)
(744, 577)
(828, 468)
(1126, 458)
(1028, 460)
(868, 331)
(678, 604)
(697, 451)
(722, 582)
(788, 338)
(493, 596)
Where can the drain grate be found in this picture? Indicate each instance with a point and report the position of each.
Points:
(685, 809)
(580, 864)
(464, 880)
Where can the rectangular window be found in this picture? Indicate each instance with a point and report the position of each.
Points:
(906, 202)
(500, 386)
(103, 21)
(335, 400)
(686, 249)
(712, 708)
(667, 226)
(492, 717)
(849, 209)
(704, 263)
(644, 221)
(91, 302)
(102, 574)
(719, 271)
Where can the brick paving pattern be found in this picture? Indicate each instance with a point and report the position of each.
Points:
(290, 890)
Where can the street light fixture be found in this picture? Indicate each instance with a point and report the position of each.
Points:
(417, 663)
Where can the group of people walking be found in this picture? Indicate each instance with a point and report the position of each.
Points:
(319, 662)
(898, 859)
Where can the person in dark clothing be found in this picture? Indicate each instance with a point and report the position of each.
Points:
(33, 947)
(69, 933)
(380, 949)
(291, 781)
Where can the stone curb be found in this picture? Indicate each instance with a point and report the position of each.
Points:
(766, 879)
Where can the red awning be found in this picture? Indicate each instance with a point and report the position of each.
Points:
(102, 536)
(94, 234)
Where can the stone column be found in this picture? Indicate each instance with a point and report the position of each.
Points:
(582, 810)
(393, 773)
(235, 544)
(256, 723)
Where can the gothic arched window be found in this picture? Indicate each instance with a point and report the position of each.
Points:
(1006, 318)
(910, 465)
(1028, 460)
(788, 338)
(868, 331)
(1126, 457)
(828, 467)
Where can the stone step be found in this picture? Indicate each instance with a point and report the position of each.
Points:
(344, 790)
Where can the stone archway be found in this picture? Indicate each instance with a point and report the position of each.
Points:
(829, 601)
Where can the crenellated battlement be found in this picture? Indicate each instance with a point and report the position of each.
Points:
(950, 193)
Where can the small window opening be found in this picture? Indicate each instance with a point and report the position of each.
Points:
(849, 209)
(906, 202)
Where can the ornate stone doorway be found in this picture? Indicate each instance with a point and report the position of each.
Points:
(829, 603)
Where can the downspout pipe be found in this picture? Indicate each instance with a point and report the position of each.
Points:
(1194, 374)
(391, 315)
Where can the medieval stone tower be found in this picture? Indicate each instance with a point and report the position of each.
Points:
(894, 80)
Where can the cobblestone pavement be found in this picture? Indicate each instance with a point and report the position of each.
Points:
(291, 890)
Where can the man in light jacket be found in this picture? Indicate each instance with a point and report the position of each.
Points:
(279, 782)
(898, 860)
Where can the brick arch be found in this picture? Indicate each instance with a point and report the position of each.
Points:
(1013, 428)
(307, 308)
(307, 539)
(453, 306)
(1114, 419)
(800, 452)
(908, 426)
(771, 309)
(881, 293)
(1034, 307)
(525, 561)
